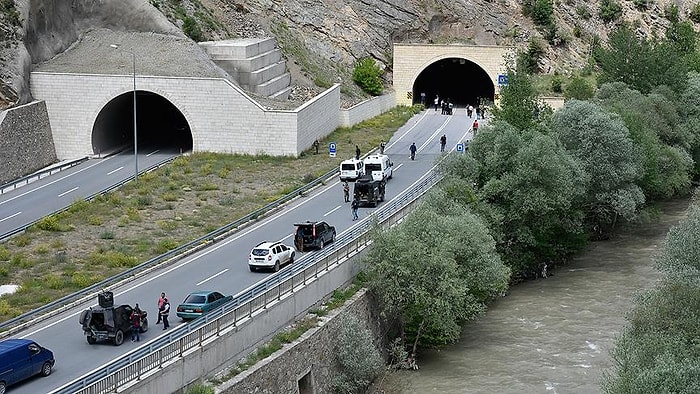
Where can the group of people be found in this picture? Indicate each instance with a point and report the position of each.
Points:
(446, 105)
(136, 315)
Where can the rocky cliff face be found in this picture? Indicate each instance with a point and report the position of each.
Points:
(317, 36)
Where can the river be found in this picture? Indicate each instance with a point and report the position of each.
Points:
(550, 335)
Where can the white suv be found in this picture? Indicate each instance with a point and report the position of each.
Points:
(270, 255)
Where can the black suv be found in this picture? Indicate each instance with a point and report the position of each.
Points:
(313, 235)
(368, 191)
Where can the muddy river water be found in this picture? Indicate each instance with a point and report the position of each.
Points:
(550, 335)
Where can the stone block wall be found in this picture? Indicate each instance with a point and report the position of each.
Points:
(26, 144)
(367, 109)
(308, 362)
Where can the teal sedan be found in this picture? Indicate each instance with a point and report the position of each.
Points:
(200, 302)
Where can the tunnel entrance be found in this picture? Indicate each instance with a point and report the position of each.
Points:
(159, 125)
(461, 81)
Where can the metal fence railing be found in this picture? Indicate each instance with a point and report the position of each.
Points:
(125, 370)
(38, 175)
(26, 319)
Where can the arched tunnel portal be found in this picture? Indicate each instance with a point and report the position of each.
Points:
(456, 79)
(159, 124)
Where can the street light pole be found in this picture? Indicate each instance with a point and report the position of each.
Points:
(136, 152)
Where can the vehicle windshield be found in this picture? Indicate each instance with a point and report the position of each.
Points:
(373, 167)
(348, 167)
(260, 252)
(195, 299)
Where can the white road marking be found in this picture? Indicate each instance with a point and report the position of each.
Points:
(211, 277)
(435, 134)
(66, 192)
(153, 153)
(397, 167)
(406, 133)
(11, 216)
(52, 182)
(113, 171)
(332, 210)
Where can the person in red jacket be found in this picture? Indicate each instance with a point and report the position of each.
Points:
(475, 126)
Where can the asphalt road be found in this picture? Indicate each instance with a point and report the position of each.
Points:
(33, 201)
(224, 266)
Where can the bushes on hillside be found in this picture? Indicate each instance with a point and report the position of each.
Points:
(367, 75)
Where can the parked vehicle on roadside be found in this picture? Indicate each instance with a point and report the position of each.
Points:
(313, 235)
(369, 192)
(351, 169)
(21, 359)
(270, 255)
(200, 302)
(108, 322)
(379, 167)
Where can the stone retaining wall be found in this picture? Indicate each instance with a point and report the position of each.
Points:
(26, 143)
(367, 109)
(307, 365)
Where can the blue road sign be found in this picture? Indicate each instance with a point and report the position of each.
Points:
(502, 79)
(331, 149)
(460, 147)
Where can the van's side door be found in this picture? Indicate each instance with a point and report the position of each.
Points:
(36, 358)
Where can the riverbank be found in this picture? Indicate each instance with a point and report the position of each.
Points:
(550, 335)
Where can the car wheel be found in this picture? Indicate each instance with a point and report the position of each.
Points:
(333, 237)
(46, 369)
(291, 258)
(277, 266)
(144, 325)
(91, 340)
(252, 269)
(118, 338)
(3, 388)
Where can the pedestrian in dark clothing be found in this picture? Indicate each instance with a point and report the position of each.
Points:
(413, 150)
(346, 191)
(164, 312)
(382, 146)
(354, 207)
(443, 142)
(357, 152)
(161, 300)
(135, 324)
(316, 144)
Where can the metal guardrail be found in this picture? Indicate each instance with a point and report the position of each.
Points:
(9, 186)
(245, 305)
(24, 320)
(88, 198)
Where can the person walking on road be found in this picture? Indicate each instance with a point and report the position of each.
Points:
(161, 300)
(164, 312)
(357, 152)
(443, 142)
(354, 207)
(382, 146)
(135, 324)
(413, 150)
(475, 126)
(346, 191)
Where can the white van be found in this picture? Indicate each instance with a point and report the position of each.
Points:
(379, 166)
(351, 169)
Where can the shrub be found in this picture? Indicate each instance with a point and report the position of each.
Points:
(357, 356)
(49, 223)
(582, 11)
(4, 254)
(694, 13)
(107, 234)
(610, 10)
(578, 88)
(367, 76)
(543, 12)
(200, 389)
(166, 245)
(192, 29)
(641, 5)
(556, 84)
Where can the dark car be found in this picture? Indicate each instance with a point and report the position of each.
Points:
(200, 302)
(368, 191)
(313, 235)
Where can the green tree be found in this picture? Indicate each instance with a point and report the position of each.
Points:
(579, 88)
(519, 104)
(426, 288)
(543, 12)
(527, 200)
(359, 360)
(192, 29)
(600, 141)
(658, 351)
(610, 10)
(367, 75)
